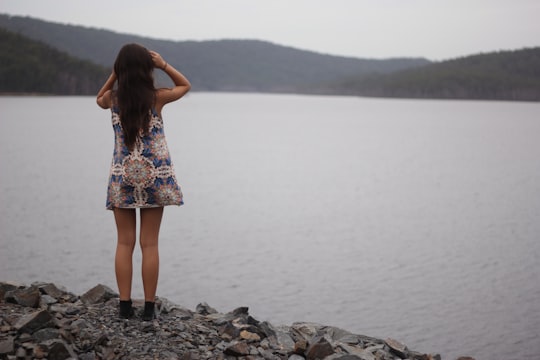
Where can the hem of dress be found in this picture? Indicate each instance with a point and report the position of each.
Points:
(142, 207)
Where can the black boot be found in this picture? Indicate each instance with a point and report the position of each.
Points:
(126, 310)
(148, 313)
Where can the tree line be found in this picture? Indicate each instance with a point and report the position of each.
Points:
(503, 75)
(29, 66)
(42, 57)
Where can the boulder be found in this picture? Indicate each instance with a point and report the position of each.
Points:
(51, 290)
(59, 350)
(6, 286)
(34, 321)
(98, 294)
(205, 309)
(397, 348)
(319, 348)
(29, 296)
(239, 348)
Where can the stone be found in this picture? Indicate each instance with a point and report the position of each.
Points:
(20, 353)
(46, 334)
(363, 354)
(296, 357)
(300, 346)
(48, 300)
(239, 348)
(98, 294)
(165, 306)
(285, 341)
(319, 349)
(239, 311)
(7, 347)
(205, 309)
(25, 297)
(249, 336)
(34, 321)
(6, 286)
(91, 329)
(40, 351)
(397, 348)
(51, 290)
(59, 350)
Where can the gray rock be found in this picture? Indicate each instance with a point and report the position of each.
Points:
(6, 286)
(296, 357)
(20, 353)
(59, 350)
(91, 329)
(239, 348)
(7, 347)
(397, 348)
(98, 294)
(165, 306)
(205, 309)
(285, 342)
(34, 321)
(25, 297)
(319, 348)
(48, 300)
(46, 334)
(51, 290)
(363, 354)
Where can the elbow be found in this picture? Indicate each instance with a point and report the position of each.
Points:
(98, 102)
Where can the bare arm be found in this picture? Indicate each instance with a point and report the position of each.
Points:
(182, 84)
(104, 94)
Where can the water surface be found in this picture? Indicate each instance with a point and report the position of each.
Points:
(417, 220)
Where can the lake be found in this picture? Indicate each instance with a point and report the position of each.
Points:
(416, 220)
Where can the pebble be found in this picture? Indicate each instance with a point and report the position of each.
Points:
(61, 325)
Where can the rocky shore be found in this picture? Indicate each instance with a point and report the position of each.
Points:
(44, 321)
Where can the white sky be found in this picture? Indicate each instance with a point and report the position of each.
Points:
(436, 29)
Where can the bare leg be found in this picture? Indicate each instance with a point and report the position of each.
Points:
(126, 223)
(150, 223)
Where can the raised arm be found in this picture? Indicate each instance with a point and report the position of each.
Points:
(181, 83)
(104, 95)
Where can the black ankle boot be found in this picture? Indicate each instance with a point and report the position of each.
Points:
(148, 313)
(126, 310)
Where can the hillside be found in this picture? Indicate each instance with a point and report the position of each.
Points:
(29, 66)
(504, 75)
(224, 65)
(252, 65)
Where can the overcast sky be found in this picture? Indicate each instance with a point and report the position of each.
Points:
(436, 29)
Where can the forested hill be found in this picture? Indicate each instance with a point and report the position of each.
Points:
(252, 65)
(234, 65)
(504, 75)
(29, 66)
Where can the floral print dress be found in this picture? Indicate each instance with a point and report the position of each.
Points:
(145, 176)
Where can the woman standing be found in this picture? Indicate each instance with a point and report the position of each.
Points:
(142, 175)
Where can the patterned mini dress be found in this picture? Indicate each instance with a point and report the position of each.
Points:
(144, 177)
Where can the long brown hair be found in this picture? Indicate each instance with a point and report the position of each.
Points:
(136, 92)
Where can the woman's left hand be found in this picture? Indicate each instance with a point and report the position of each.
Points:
(158, 60)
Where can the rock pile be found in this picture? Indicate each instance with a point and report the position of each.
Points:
(43, 321)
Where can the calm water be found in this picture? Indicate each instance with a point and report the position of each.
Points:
(417, 220)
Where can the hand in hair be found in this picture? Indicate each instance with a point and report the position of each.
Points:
(158, 60)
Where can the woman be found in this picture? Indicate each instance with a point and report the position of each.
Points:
(141, 174)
